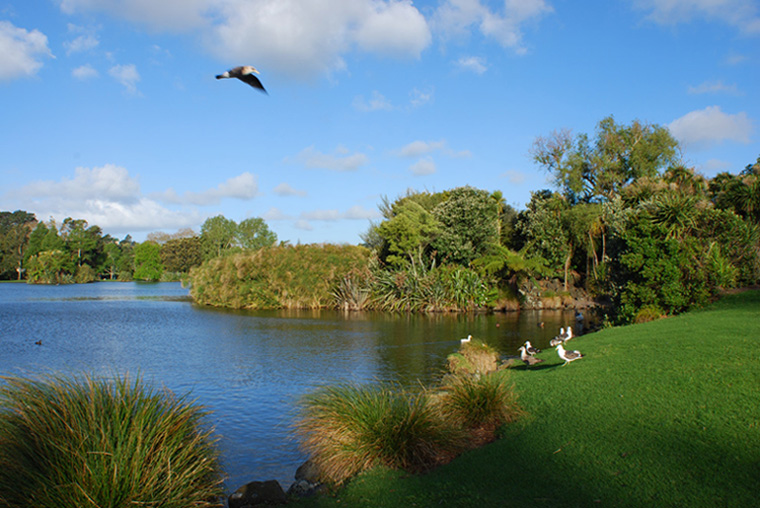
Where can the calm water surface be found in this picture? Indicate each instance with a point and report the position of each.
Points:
(249, 368)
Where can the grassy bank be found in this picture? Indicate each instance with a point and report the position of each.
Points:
(664, 413)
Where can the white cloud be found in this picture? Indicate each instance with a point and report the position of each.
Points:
(356, 212)
(425, 166)
(106, 196)
(474, 64)
(127, 75)
(514, 177)
(243, 187)
(275, 214)
(419, 98)
(706, 127)
(713, 87)
(299, 38)
(171, 15)
(457, 18)
(313, 158)
(285, 189)
(81, 43)
(378, 102)
(84, 72)
(418, 148)
(307, 37)
(20, 51)
(742, 14)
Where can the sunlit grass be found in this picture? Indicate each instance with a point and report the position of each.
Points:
(479, 402)
(91, 443)
(663, 413)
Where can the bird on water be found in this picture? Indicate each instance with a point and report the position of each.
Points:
(246, 74)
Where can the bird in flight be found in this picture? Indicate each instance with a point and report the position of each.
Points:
(246, 74)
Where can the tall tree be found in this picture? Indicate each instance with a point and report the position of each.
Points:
(596, 170)
(15, 229)
(217, 235)
(148, 262)
(408, 233)
(253, 234)
(180, 254)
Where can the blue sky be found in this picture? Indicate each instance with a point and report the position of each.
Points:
(109, 110)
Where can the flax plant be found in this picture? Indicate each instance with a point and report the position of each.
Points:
(93, 443)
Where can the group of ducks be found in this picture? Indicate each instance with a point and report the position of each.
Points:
(527, 351)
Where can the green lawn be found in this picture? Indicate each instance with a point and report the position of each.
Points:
(665, 413)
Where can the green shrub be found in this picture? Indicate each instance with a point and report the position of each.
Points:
(347, 429)
(81, 443)
(483, 401)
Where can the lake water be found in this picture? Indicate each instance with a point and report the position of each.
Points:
(248, 368)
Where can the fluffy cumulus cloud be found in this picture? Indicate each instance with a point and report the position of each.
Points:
(285, 190)
(127, 76)
(296, 37)
(418, 148)
(709, 126)
(84, 72)
(243, 187)
(472, 64)
(424, 166)
(307, 37)
(84, 40)
(743, 14)
(341, 160)
(21, 51)
(107, 196)
(457, 18)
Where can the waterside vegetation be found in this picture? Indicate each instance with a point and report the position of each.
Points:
(88, 442)
(656, 414)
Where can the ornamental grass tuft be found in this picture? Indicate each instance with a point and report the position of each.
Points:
(478, 402)
(93, 443)
(347, 429)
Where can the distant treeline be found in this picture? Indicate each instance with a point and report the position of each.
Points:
(629, 224)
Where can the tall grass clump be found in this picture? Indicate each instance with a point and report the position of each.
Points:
(347, 429)
(483, 402)
(92, 443)
(474, 357)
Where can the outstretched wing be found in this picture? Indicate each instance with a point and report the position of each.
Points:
(253, 81)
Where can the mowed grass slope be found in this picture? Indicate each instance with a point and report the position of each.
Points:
(665, 413)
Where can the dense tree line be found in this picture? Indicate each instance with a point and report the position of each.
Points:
(74, 251)
(627, 222)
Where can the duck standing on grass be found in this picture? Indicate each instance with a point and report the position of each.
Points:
(528, 359)
(568, 356)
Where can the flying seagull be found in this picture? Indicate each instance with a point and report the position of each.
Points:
(244, 73)
(527, 358)
(530, 349)
(568, 356)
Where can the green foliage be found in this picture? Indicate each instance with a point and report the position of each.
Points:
(469, 224)
(588, 170)
(408, 233)
(445, 288)
(542, 227)
(148, 265)
(347, 429)
(473, 358)
(68, 442)
(50, 267)
(181, 254)
(253, 234)
(15, 229)
(302, 276)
